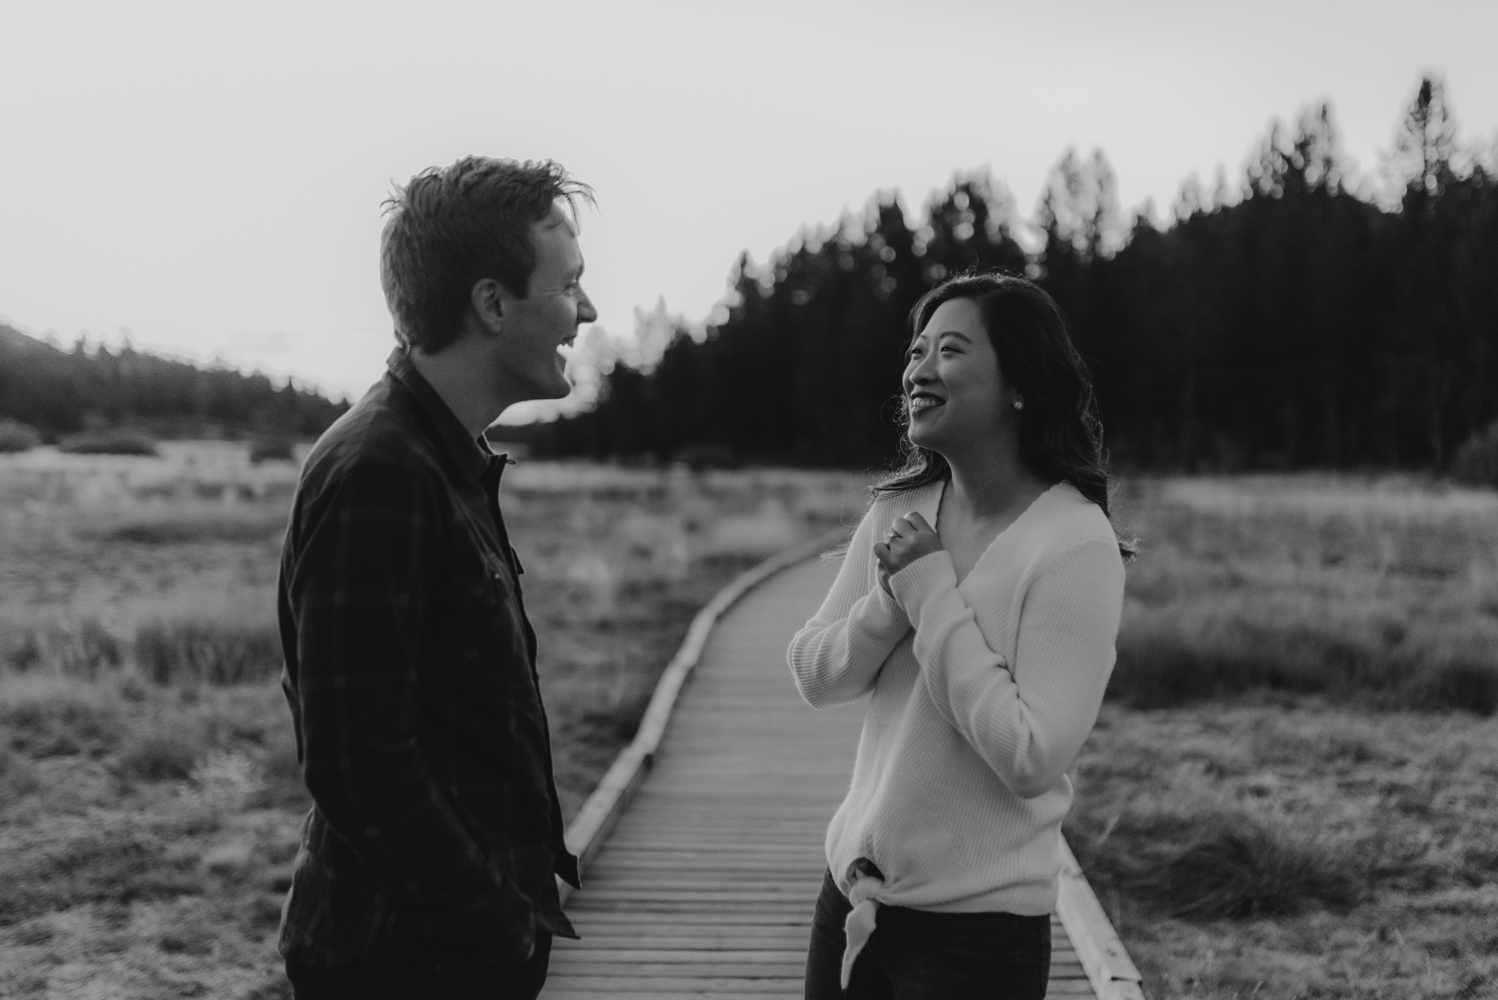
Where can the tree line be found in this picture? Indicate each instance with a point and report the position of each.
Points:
(1297, 318)
(60, 392)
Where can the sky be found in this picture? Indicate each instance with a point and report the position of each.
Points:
(206, 179)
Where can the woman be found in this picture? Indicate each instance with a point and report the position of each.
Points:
(978, 604)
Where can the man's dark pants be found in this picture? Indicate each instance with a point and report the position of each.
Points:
(418, 980)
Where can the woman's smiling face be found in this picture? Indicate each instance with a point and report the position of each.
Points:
(953, 386)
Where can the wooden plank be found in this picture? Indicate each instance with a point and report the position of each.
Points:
(585, 835)
(1064, 961)
(1109, 968)
(661, 987)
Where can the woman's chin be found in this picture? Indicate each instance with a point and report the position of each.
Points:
(922, 437)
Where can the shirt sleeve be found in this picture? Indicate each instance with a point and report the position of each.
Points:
(360, 594)
(1026, 719)
(836, 656)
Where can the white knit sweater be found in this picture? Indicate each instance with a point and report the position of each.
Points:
(982, 695)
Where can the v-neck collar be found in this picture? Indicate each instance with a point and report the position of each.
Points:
(935, 516)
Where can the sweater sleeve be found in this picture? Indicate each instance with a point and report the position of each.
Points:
(837, 655)
(1027, 721)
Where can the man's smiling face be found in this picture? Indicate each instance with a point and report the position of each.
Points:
(549, 315)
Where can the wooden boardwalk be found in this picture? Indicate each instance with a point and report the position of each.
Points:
(705, 887)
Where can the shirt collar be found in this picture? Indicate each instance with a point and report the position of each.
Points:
(472, 454)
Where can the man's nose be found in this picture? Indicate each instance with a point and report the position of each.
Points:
(585, 311)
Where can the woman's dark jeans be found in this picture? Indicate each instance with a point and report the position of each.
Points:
(919, 955)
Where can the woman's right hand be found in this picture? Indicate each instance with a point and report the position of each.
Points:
(908, 539)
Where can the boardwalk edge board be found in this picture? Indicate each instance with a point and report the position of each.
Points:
(1110, 971)
(1097, 944)
(590, 828)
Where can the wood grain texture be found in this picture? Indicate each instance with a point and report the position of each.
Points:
(705, 852)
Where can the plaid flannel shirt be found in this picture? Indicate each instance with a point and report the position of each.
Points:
(410, 671)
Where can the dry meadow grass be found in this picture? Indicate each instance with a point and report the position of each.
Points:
(149, 792)
(1294, 788)
(1291, 792)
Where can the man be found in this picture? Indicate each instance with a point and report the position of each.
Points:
(427, 861)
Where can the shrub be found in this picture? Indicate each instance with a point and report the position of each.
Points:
(80, 648)
(113, 441)
(271, 450)
(1476, 461)
(115, 866)
(186, 522)
(1167, 660)
(47, 715)
(186, 939)
(16, 436)
(701, 457)
(207, 650)
(1172, 656)
(18, 777)
(163, 753)
(1242, 867)
(1461, 683)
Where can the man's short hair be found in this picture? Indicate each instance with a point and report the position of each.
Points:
(451, 227)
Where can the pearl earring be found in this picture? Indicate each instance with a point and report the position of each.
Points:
(1019, 404)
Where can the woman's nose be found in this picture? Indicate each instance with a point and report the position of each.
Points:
(918, 372)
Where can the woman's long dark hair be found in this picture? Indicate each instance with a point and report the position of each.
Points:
(1060, 434)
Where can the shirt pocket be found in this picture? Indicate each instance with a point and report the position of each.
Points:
(481, 579)
(498, 577)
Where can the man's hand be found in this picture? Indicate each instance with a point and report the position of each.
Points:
(908, 539)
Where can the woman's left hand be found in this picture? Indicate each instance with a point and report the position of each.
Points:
(908, 539)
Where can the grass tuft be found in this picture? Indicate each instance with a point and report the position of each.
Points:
(83, 648)
(272, 449)
(177, 522)
(18, 777)
(113, 441)
(1244, 867)
(48, 716)
(163, 752)
(1164, 662)
(114, 867)
(216, 649)
(1461, 683)
(1372, 593)
(1476, 461)
(16, 436)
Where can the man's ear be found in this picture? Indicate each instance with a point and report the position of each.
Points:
(487, 299)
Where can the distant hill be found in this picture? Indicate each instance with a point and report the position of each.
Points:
(61, 391)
